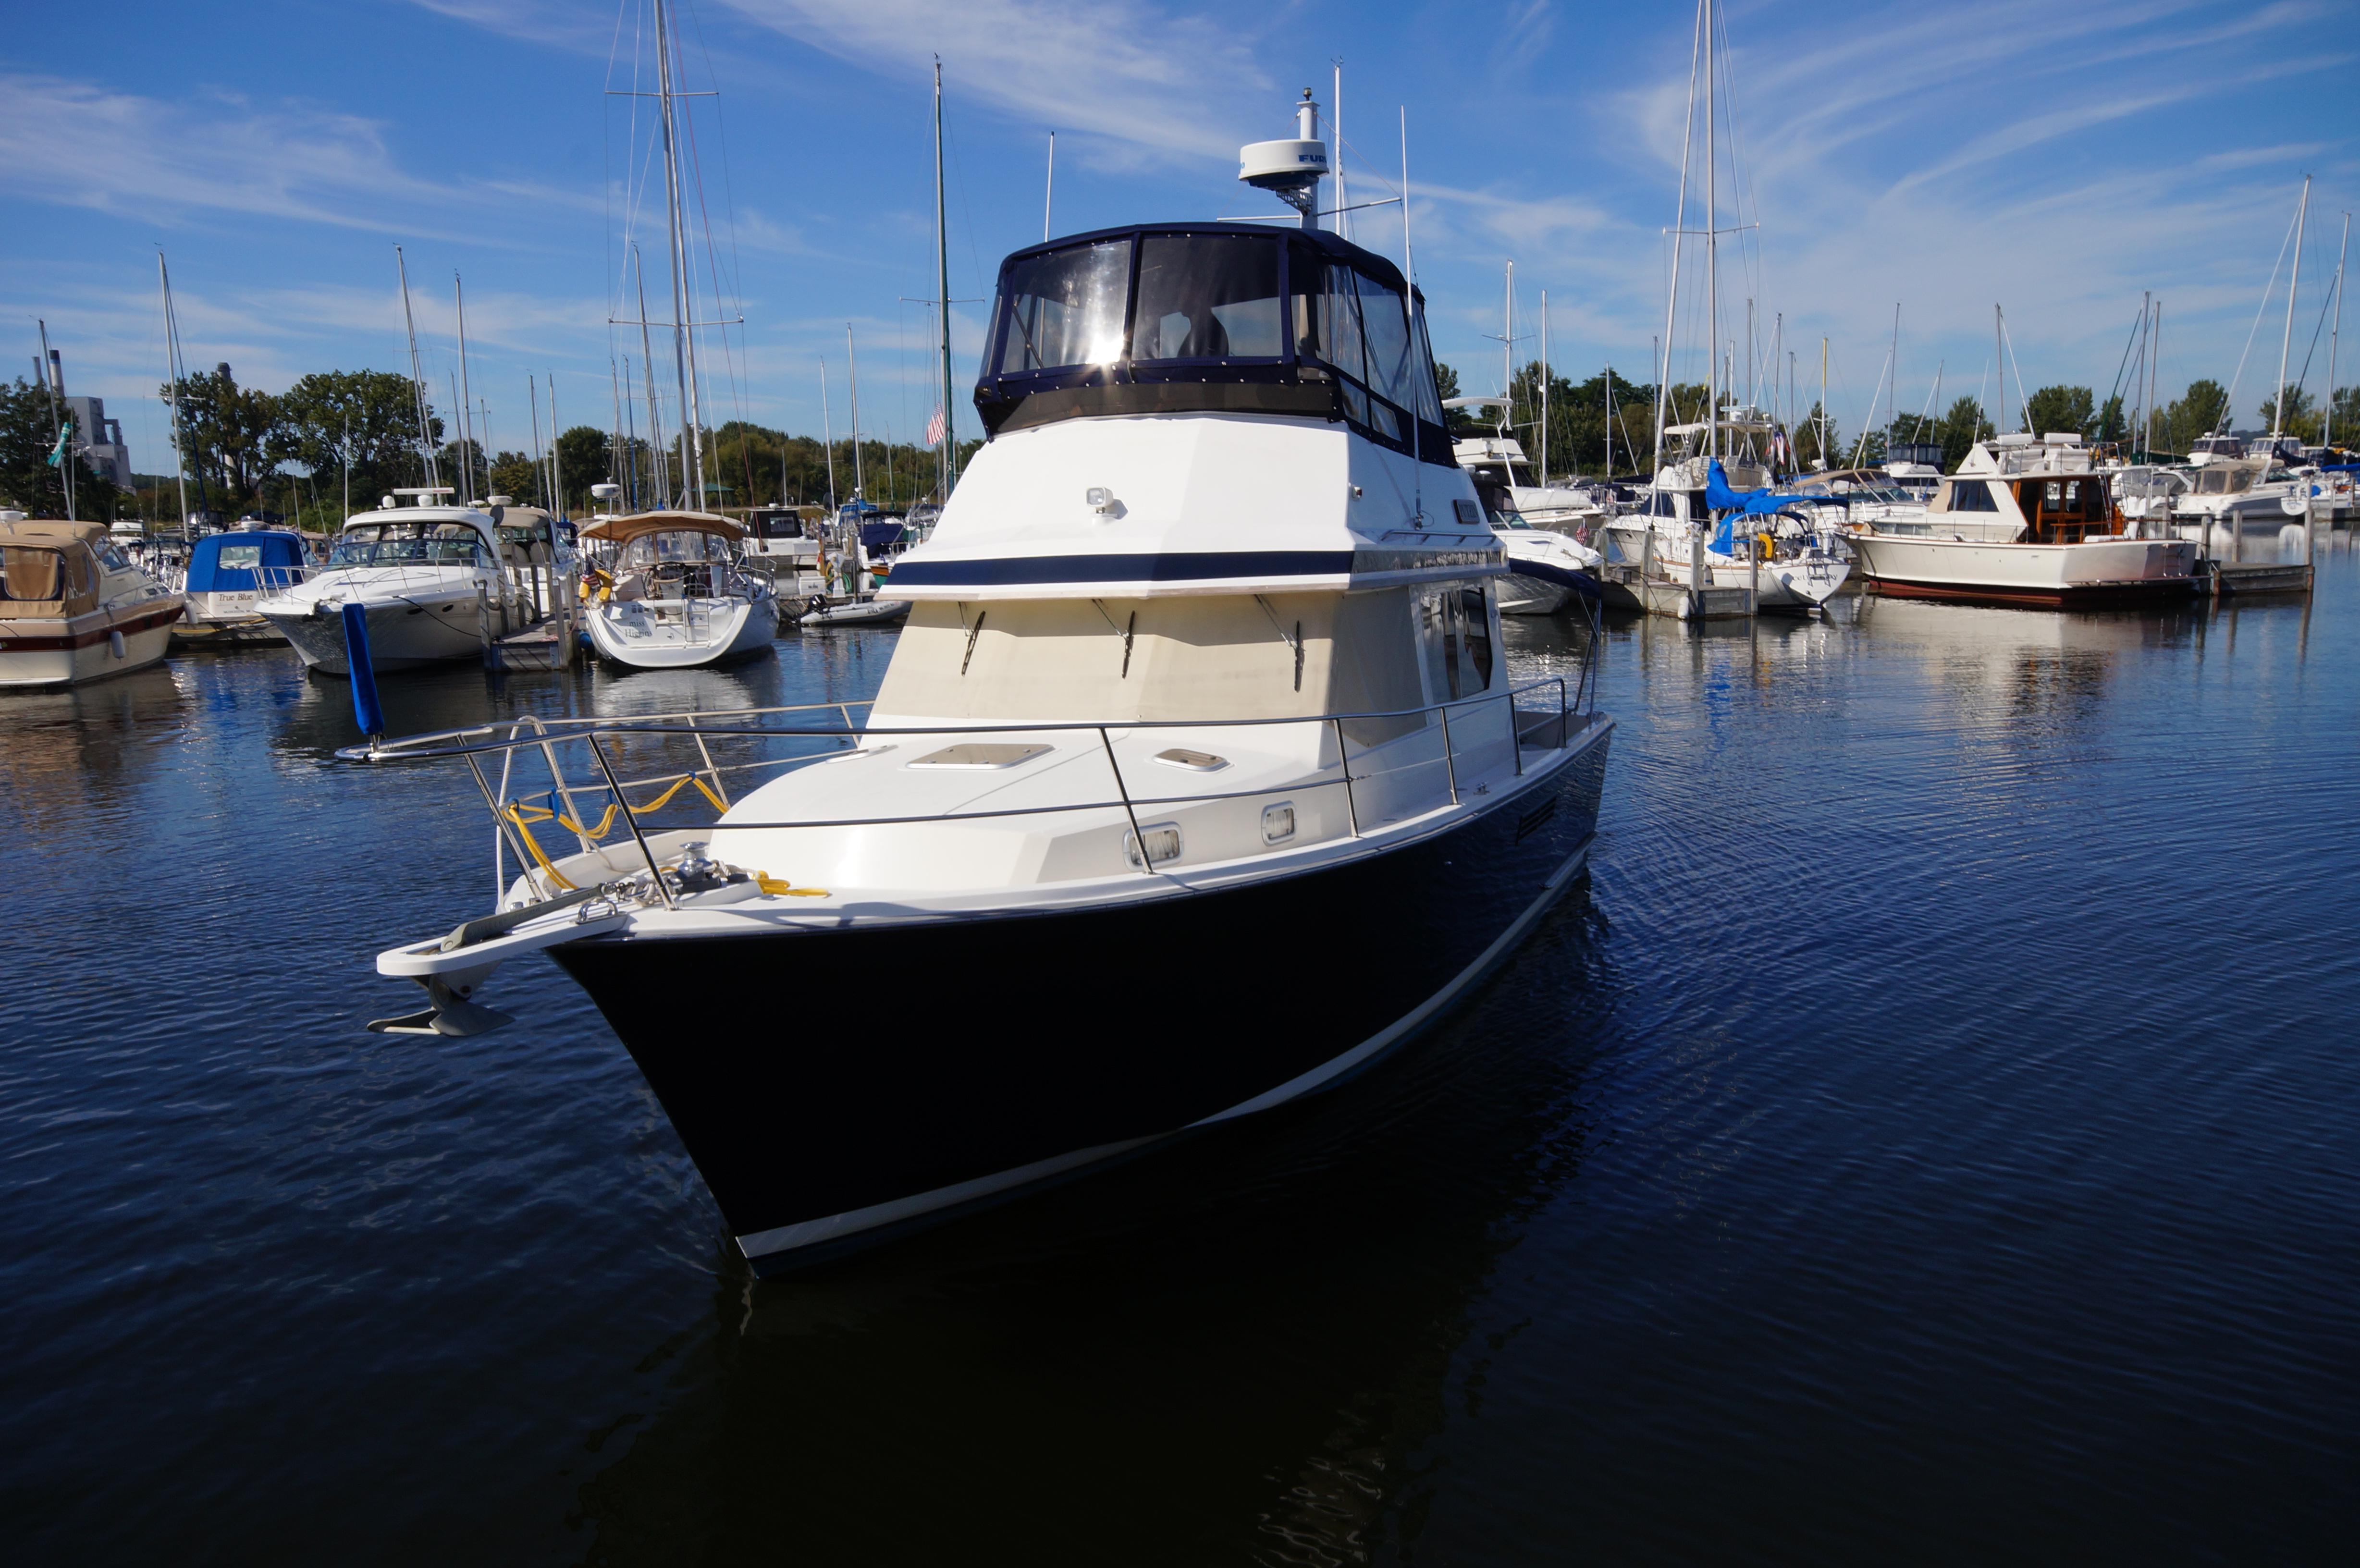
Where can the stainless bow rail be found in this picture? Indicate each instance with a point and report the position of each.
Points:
(1528, 730)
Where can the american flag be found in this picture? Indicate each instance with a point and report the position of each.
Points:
(935, 428)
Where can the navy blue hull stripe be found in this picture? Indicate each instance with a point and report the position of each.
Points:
(1180, 568)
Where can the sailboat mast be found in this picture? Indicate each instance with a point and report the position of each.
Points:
(2285, 344)
(852, 365)
(684, 337)
(949, 458)
(2154, 378)
(826, 438)
(1999, 365)
(1508, 357)
(466, 416)
(657, 460)
(1544, 381)
(418, 377)
(172, 381)
(1711, 234)
(2327, 435)
(1679, 234)
(1609, 421)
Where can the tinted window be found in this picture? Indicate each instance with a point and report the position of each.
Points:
(1428, 406)
(1972, 495)
(1385, 328)
(1208, 297)
(1066, 308)
(1341, 317)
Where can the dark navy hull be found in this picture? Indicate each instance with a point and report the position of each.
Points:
(1000, 1050)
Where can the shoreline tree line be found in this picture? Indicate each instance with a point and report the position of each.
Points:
(337, 434)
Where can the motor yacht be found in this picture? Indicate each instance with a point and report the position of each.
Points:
(2231, 497)
(228, 574)
(2023, 522)
(1546, 570)
(1196, 782)
(1503, 480)
(73, 607)
(675, 593)
(432, 581)
(786, 542)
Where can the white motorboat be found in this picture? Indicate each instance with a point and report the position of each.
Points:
(1504, 483)
(431, 578)
(2230, 497)
(1545, 569)
(73, 607)
(786, 542)
(674, 592)
(1201, 703)
(2024, 522)
(228, 574)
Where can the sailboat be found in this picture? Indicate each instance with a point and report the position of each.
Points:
(675, 589)
(1706, 517)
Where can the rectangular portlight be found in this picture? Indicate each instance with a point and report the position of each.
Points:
(1195, 761)
(1162, 843)
(1278, 822)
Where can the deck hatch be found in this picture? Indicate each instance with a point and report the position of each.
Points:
(979, 754)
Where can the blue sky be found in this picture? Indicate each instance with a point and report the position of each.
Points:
(2056, 159)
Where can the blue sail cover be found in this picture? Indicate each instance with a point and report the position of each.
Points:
(1734, 504)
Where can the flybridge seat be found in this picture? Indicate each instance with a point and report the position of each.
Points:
(1195, 317)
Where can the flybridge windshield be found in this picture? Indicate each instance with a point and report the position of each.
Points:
(1162, 323)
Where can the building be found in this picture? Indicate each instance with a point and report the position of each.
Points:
(96, 436)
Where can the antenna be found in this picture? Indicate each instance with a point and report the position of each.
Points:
(1290, 169)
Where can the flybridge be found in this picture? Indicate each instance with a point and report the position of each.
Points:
(1193, 318)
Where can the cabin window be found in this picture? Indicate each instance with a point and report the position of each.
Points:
(1208, 297)
(239, 557)
(1066, 308)
(1386, 329)
(29, 573)
(1455, 633)
(1341, 318)
(1972, 495)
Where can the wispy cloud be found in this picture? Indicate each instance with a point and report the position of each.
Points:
(77, 144)
(1129, 73)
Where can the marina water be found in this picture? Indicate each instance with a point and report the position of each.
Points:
(1929, 1132)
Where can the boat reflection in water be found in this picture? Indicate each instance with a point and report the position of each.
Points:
(1350, 1243)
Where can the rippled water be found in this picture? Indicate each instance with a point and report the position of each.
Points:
(1930, 1134)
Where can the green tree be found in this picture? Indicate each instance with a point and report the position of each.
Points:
(516, 475)
(226, 431)
(1808, 452)
(2112, 423)
(2302, 418)
(1961, 428)
(1458, 421)
(28, 434)
(366, 419)
(2060, 408)
(2346, 408)
(2198, 411)
(583, 459)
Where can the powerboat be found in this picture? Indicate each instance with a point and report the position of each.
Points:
(1505, 482)
(785, 542)
(675, 593)
(73, 607)
(227, 576)
(1545, 569)
(2024, 522)
(430, 579)
(1198, 779)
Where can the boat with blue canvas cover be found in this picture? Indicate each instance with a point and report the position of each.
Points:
(1201, 744)
(228, 576)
